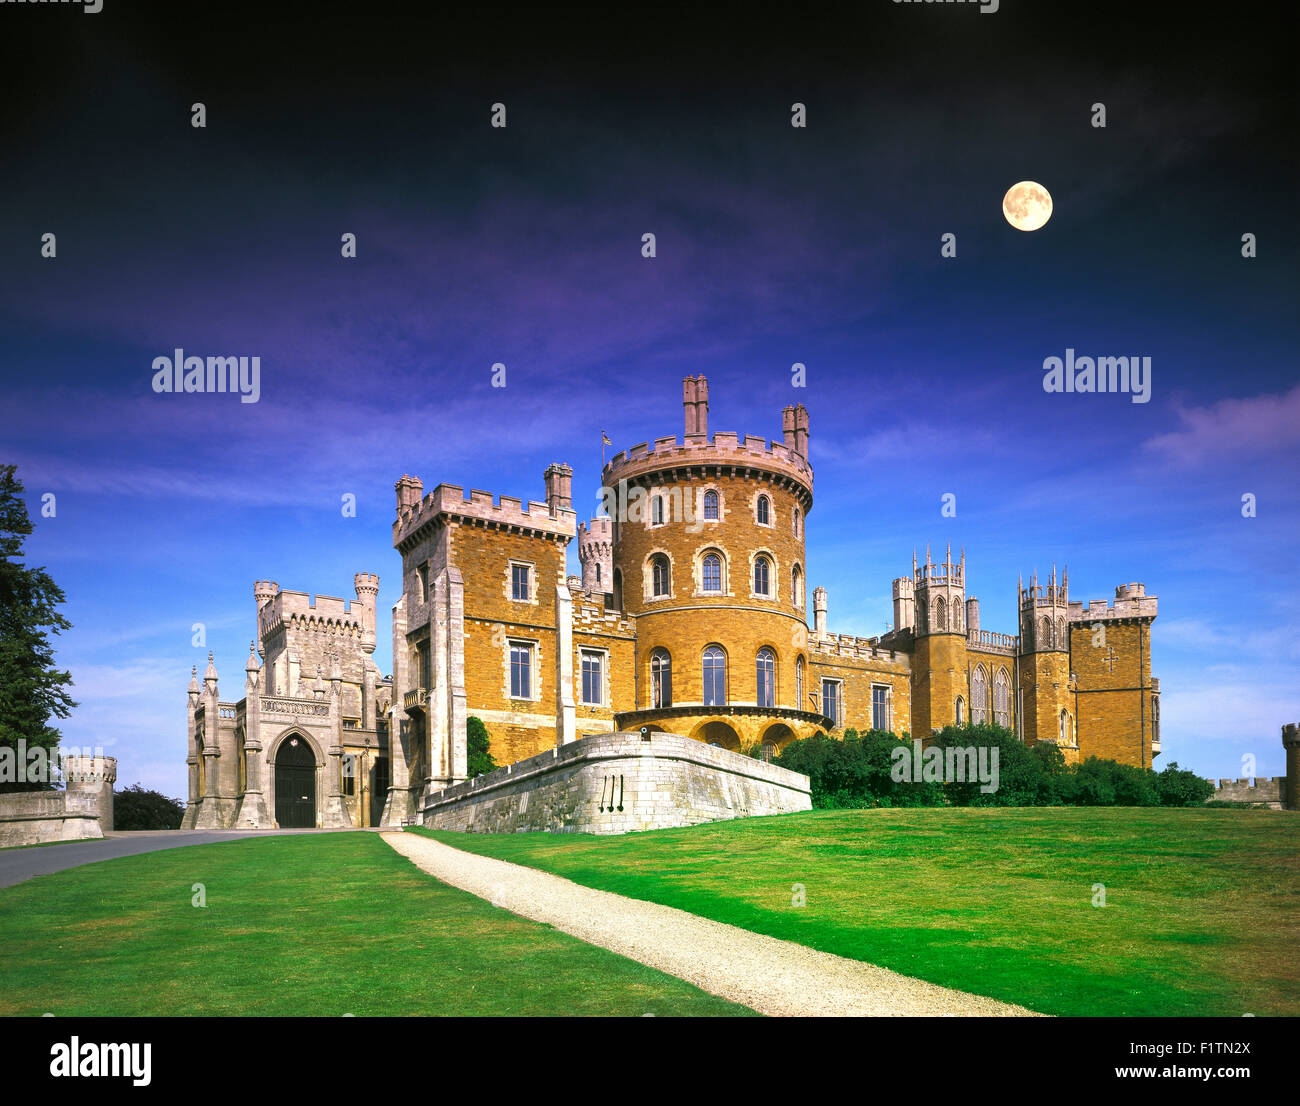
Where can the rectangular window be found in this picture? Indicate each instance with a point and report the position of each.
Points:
(831, 700)
(521, 670)
(426, 670)
(879, 707)
(593, 678)
(423, 572)
(519, 580)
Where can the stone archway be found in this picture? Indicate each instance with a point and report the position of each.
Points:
(775, 738)
(295, 783)
(718, 733)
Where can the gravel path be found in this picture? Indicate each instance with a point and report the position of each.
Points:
(768, 975)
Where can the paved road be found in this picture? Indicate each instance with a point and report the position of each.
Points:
(17, 865)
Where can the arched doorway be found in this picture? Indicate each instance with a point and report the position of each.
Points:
(295, 784)
(776, 738)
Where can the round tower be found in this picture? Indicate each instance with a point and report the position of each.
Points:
(367, 588)
(708, 554)
(596, 553)
(94, 776)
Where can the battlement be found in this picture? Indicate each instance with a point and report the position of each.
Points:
(727, 449)
(78, 770)
(855, 648)
(1131, 601)
(992, 642)
(366, 584)
(448, 501)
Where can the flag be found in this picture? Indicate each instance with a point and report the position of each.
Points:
(604, 439)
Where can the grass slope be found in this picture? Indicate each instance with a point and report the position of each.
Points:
(315, 924)
(1201, 915)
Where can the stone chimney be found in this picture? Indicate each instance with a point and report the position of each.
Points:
(559, 487)
(695, 402)
(973, 614)
(801, 430)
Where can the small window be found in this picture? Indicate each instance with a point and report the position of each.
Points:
(593, 678)
(660, 582)
(798, 684)
(762, 571)
(831, 700)
(961, 711)
(657, 510)
(598, 572)
(423, 573)
(764, 511)
(795, 517)
(349, 775)
(519, 582)
(521, 670)
(796, 587)
(661, 679)
(879, 707)
(710, 505)
(712, 574)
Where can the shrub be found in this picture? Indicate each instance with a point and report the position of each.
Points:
(138, 809)
(1179, 787)
(478, 754)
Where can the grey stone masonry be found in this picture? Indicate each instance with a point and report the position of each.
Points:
(618, 783)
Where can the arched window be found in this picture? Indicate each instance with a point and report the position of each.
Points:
(796, 587)
(979, 696)
(715, 676)
(940, 615)
(762, 570)
(657, 510)
(795, 517)
(710, 504)
(618, 589)
(661, 583)
(764, 511)
(798, 684)
(661, 679)
(956, 616)
(1062, 642)
(766, 678)
(711, 576)
(1065, 727)
(961, 711)
(1045, 634)
(1001, 699)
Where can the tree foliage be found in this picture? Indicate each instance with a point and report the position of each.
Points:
(478, 748)
(32, 689)
(138, 809)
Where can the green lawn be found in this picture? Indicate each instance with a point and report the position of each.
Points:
(315, 924)
(1202, 913)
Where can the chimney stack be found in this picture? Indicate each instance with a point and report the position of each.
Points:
(695, 402)
(819, 611)
(559, 487)
(409, 492)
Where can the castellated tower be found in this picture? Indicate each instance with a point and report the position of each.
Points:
(93, 775)
(940, 695)
(1046, 688)
(904, 604)
(596, 552)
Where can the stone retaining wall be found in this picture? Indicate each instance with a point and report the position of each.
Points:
(34, 817)
(618, 783)
(1271, 790)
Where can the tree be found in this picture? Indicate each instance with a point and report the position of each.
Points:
(138, 809)
(1179, 787)
(32, 689)
(478, 748)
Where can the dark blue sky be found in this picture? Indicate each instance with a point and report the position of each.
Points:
(775, 245)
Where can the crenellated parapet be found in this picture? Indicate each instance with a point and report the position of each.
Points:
(848, 647)
(726, 453)
(448, 503)
(1131, 601)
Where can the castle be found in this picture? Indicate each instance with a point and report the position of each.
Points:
(690, 617)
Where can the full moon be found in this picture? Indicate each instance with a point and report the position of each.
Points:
(1027, 205)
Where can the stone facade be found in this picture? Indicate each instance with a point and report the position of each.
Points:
(1271, 792)
(618, 783)
(690, 616)
(37, 817)
(313, 697)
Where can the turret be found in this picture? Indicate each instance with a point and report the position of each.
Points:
(1044, 615)
(972, 615)
(409, 490)
(251, 667)
(596, 553)
(941, 595)
(367, 589)
(210, 678)
(904, 604)
(819, 611)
